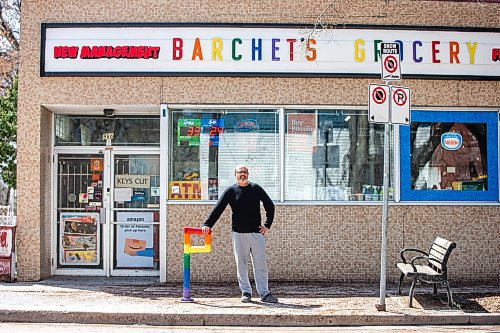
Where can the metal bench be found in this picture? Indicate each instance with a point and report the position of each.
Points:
(428, 267)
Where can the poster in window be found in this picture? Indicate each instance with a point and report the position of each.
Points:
(214, 129)
(184, 190)
(5, 266)
(80, 239)
(97, 165)
(301, 132)
(134, 240)
(213, 189)
(5, 241)
(188, 132)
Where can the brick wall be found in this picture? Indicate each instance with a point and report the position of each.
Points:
(342, 243)
(34, 127)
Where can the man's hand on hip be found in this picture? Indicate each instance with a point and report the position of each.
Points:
(263, 230)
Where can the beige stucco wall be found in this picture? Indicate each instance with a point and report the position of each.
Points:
(34, 127)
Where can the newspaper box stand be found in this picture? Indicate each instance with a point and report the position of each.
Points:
(7, 246)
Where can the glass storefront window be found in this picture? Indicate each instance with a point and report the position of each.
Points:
(333, 155)
(142, 169)
(206, 145)
(75, 130)
(450, 156)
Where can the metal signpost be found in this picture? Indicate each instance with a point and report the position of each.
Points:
(388, 105)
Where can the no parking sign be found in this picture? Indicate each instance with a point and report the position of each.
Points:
(389, 104)
(378, 103)
(400, 105)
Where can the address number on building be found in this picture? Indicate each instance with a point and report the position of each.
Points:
(108, 136)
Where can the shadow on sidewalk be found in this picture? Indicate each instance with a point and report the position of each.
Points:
(467, 298)
(261, 305)
(469, 303)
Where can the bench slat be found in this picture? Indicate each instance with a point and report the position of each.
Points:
(439, 249)
(407, 268)
(437, 255)
(444, 243)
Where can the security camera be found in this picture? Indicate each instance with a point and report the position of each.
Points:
(109, 112)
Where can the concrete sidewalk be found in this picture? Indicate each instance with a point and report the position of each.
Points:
(144, 300)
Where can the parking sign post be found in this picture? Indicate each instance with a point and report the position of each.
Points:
(388, 105)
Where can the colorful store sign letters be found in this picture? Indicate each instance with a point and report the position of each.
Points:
(95, 50)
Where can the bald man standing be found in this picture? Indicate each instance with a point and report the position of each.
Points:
(249, 235)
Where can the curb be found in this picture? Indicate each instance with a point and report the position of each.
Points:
(243, 320)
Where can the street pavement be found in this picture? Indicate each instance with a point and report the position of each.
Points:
(140, 300)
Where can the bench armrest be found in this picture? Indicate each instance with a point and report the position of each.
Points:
(412, 263)
(411, 250)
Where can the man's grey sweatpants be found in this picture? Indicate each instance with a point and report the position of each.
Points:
(254, 245)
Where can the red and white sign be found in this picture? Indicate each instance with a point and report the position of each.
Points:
(400, 105)
(391, 69)
(379, 103)
(5, 242)
(391, 64)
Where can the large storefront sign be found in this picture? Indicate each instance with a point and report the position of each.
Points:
(102, 50)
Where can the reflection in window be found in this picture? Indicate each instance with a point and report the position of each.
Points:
(206, 146)
(448, 156)
(74, 130)
(333, 155)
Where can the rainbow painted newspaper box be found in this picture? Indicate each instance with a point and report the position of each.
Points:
(188, 249)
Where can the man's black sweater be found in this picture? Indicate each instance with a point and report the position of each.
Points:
(245, 204)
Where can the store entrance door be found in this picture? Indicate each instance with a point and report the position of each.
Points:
(107, 212)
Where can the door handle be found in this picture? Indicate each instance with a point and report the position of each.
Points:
(102, 213)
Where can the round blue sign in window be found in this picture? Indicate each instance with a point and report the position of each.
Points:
(451, 141)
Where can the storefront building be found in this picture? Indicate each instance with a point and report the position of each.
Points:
(132, 119)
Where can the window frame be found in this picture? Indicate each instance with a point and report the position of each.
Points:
(224, 111)
(167, 128)
(490, 118)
